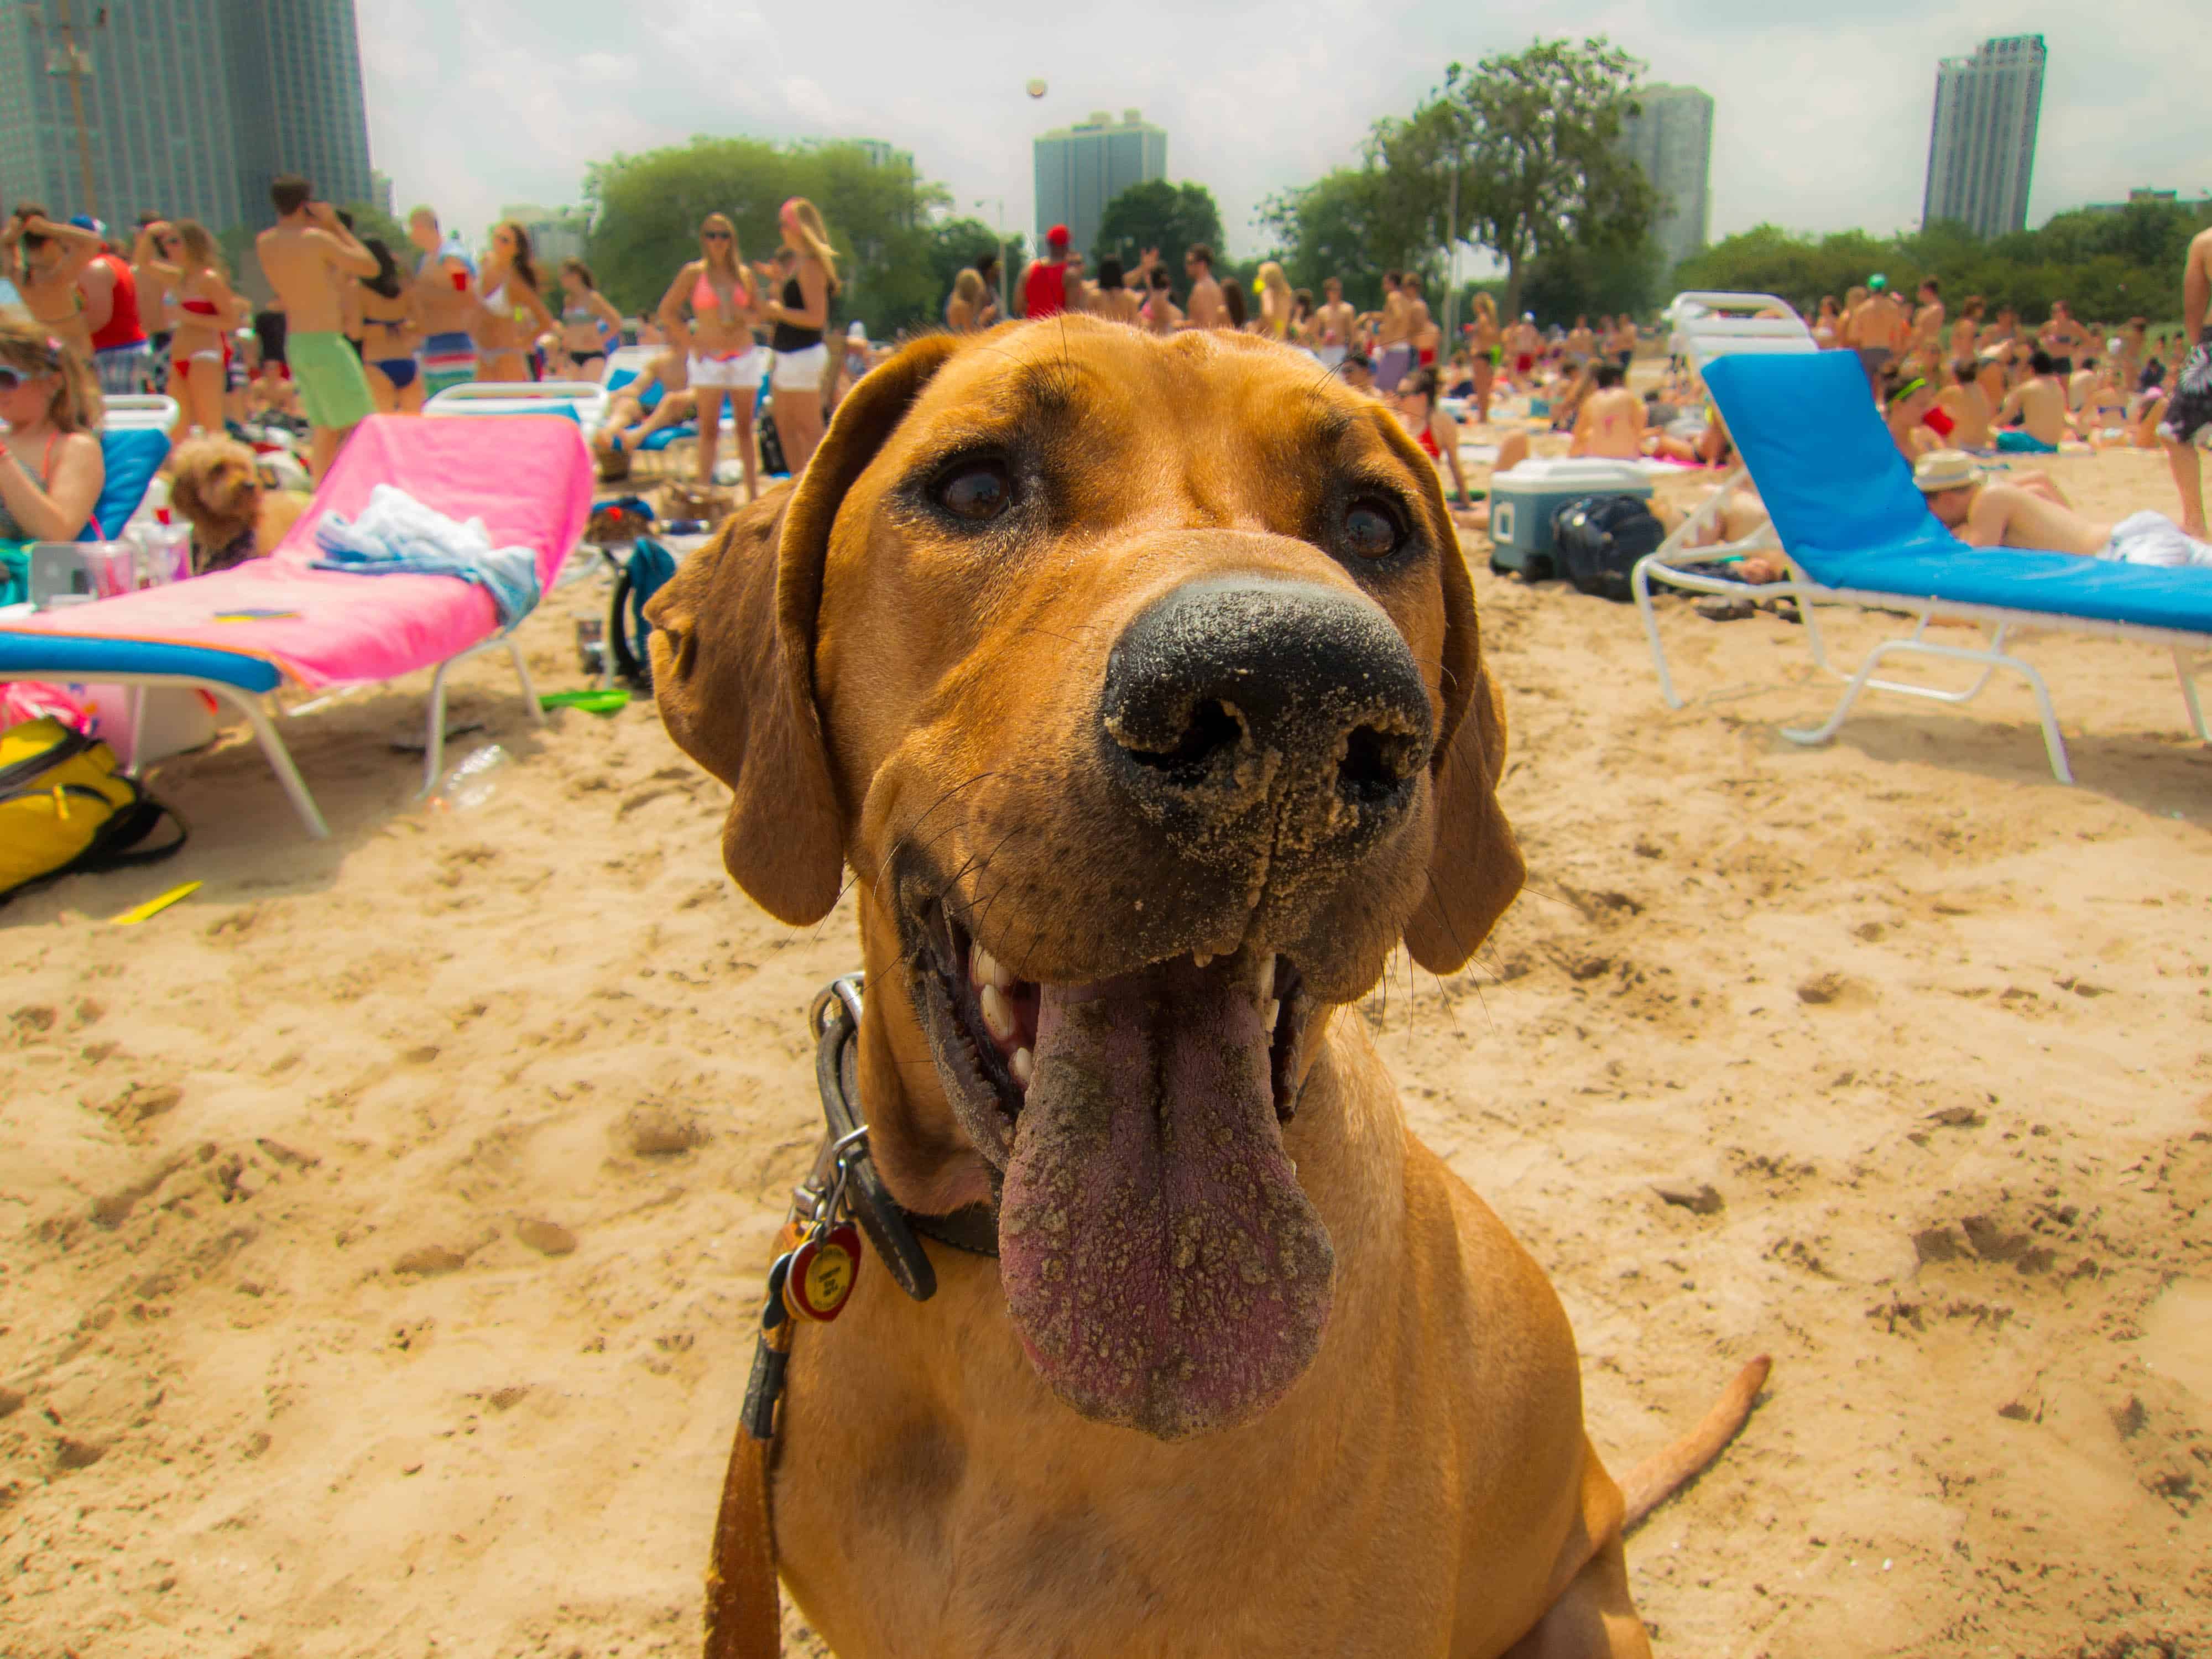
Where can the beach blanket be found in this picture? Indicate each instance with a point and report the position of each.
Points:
(529, 479)
(397, 535)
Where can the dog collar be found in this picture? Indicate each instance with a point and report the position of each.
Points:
(835, 1019)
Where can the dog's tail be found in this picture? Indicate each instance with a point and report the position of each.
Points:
(1654, 1480)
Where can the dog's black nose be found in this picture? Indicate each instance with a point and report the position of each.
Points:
(1223, 695)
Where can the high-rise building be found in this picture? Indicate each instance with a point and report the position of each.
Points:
(555, 233)
(1670, 136)
(1981, 144)
(1080, 168)
(185, 107)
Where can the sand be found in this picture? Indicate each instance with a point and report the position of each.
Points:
(380, 1228)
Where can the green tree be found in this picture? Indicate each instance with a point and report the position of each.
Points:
(1350, 225)
(1596, 279)
(647, 210)
(1521, 154)
(370, 219)
(1156, 214)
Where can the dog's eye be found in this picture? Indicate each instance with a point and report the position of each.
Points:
(1372, 530)
(976, 490)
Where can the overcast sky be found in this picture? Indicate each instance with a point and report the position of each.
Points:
(1821, 124)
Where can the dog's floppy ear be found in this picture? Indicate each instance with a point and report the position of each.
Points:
(1475, 869)
(733, 656)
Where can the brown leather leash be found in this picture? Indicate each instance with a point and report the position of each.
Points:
(817, 1259)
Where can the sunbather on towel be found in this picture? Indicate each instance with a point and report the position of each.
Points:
(2032, 419)
(1611, 423)
(1983, 514)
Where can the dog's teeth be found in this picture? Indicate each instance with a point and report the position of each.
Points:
(1271, 1013)
(979, 965)
(1022, 1066)
(1267, 980)
(1200, 958)
(996, 1015)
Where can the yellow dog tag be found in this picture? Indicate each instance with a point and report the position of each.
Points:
(822, 1273)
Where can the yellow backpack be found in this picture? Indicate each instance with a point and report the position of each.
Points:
(64, 809)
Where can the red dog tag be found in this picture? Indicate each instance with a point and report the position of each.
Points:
(823, 1270)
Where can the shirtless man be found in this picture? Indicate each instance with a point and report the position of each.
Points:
(445, 291)
(1394, 334)
(1611, 423)
(1524, 346)
(1333, 324)
(2188, 415)
(1579, 341)
(1879, 330)
(1421, 331)
(1983, 514)
(1927, 321)
(2036, 406)
(301, 255)
(660, 396)
(1207, 308)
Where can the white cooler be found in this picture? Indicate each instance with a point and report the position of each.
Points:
(1522, 500)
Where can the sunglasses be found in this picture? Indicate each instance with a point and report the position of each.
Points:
(714, 235)
(12, 378)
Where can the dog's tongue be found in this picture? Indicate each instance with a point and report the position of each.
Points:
(1165, 1270)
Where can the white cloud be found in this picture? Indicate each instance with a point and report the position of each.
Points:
(1822, 120)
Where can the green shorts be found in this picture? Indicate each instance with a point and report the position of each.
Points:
(332, 389)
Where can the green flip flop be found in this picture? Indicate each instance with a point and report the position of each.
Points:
(597, 700)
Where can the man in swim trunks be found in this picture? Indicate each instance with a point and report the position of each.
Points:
(1983, 514)
(121, 355)
(2188, 419)
(1879, 330)
(2031, 420)
(1206, 308)
(446, 295)
(1394, 334)
(302, 256)
(1333, 324)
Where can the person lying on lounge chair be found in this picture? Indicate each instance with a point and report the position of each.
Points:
(659, 397)
(1984, 514)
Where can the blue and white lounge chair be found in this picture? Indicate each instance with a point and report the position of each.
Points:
(1857, 531)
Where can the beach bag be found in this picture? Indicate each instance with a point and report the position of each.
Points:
(64, 809)
(649, 566)
(771, 447)
(1600, 538)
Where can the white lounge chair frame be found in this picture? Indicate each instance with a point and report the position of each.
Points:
(586, 397)
(138, 412)
(2192, 653)
(257, 708)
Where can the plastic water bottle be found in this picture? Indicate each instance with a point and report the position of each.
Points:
(471, 782)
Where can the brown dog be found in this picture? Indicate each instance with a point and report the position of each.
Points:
(1138, 683)
(215, 486)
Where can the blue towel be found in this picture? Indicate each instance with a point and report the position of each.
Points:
(397, 535)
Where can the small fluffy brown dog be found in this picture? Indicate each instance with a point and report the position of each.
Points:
(217, 485)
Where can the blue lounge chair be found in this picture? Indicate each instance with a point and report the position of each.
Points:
(1855, 530)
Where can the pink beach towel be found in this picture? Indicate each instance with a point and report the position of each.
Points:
(527, 477)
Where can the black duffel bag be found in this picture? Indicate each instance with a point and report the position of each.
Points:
(1599, 539)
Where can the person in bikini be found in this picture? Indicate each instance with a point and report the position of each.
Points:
(515, 311)
(1421, 331)
(589, 325)
(44, 259)
(301, 255)
(389, 334)
(200, 350)
(725, 363)
(1394, 334)
(51, 470)
(445, 303)
(1967, 406)
(1422, 413)
(1610, 423)
(1984, 514)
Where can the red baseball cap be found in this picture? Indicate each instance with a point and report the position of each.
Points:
(1057, 236)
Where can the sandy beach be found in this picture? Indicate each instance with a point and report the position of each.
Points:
(381, 1228)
